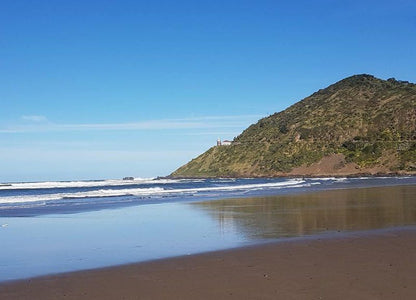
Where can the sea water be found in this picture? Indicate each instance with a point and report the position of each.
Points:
(53, 227)
(37, 198)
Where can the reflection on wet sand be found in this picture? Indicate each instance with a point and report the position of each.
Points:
(303, 214)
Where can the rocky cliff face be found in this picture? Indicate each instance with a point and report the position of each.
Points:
(360, 124)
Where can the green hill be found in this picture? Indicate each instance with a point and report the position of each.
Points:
(359, 125)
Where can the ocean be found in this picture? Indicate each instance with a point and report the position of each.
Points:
(63, 197)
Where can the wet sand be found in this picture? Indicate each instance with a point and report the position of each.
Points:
(378, 264)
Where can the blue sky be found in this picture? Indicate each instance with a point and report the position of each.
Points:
(106, 89)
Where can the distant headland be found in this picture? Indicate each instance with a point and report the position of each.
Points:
(360, 125)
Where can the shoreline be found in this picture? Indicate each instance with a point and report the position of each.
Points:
(372, 264)
(354, 175)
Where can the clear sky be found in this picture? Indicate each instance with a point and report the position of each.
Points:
(107, 89)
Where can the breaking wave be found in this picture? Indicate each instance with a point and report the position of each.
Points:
(82, 184)
(153, 191)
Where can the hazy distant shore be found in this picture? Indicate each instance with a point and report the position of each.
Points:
(375, 264)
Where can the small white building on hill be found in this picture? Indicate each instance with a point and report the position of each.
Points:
(223, 143)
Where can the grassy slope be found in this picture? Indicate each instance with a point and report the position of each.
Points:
(371, 122)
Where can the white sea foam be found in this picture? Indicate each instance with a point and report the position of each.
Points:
(89, 194)
(372, 177)
(80, 184)
(156, 191)
(322, 178)
(243, 186)
(328, 178)
(341, 179)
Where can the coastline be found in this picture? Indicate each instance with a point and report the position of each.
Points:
(375, 264)
(288, 175)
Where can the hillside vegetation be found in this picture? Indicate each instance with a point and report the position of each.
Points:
(360, 124)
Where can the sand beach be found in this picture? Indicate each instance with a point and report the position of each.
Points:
(376, 264)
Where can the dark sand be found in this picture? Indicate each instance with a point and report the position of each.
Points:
(372, 265)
